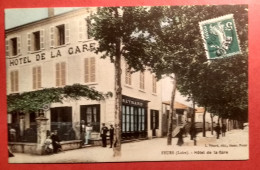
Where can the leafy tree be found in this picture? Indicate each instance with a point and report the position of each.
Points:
(219, 85)
(124, 32)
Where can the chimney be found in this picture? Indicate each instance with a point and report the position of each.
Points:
(50, 12)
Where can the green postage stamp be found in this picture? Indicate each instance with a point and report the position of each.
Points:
(220, 37)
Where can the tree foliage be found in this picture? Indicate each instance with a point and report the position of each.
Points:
(221, 84)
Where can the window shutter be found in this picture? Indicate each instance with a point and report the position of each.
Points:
(12, 81)
(92, 69)
(41, 39)
(18, 45)
(89, 27)
(80, 30)
(16, 81)
(86, 70)
(63, 73)
(34, 77)
(7, 47)
(57, 74)
(29, 43)
(39, 78)
(67, 33)
(52, 39)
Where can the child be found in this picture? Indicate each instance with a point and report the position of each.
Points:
(48, 148)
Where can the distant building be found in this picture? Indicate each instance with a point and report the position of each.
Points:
(183, 115)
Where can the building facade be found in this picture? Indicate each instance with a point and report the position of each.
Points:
(58, 51)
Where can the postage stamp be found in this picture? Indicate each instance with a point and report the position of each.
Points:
(220, 37)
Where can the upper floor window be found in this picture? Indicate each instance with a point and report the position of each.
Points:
(89, 27)
(61, 74)
(128, 75)
(37, 77)
(84, 29)
(142, 80)
(35, 41)
(14, 81)
(154, 81)
(13, 46)
(90, 70)
(59, 35)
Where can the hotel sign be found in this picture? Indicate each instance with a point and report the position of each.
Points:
(51, 54)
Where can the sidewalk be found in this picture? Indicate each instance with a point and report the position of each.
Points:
(149, 150)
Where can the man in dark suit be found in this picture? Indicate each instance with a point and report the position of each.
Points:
(56, 142)
(111, 135)
(103, 135)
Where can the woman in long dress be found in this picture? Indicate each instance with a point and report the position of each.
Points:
(88, 133)
(180, 137)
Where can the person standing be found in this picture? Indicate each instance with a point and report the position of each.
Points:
(88, 133)
(103, 135)
(48, 147)
(111, 135)
(55, 142)
(223, 129)
(217, 129)
(180, 137)
(193, 134)
(82, 131)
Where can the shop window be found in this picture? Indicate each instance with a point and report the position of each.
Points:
(91, 115)
(133, 119)
(61, 120)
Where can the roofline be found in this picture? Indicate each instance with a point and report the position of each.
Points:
(41, 21)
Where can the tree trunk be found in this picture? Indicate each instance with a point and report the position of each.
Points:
(118, 97)
(193, 117)
(211, 117)
(204, 123)
(172, 114)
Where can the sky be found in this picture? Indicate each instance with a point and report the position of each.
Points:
(18, 16)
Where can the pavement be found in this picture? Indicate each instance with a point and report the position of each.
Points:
(234, 146)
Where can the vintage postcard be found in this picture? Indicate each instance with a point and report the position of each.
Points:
(127, 84)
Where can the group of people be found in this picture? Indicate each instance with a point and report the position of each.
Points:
(182, 131)
(86, 134)
(220, 130)
(52, 143)
(103, 135)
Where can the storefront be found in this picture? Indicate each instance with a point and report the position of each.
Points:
(134, 118)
